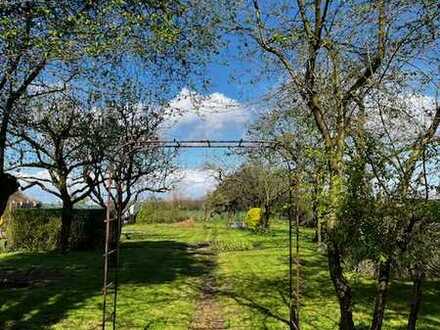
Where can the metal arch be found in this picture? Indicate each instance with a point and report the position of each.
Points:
(201, 144)
(114, 224)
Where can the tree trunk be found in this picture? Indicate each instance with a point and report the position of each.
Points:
(319, 233)
(8, 185)
(294, 322)
(416, 298)
(66, 225)
(315, 223)
(265, 217)
(383, 279)
(206, 213)
(342, 287)
(120, 206)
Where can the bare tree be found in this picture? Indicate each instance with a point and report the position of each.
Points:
(54, 140)
(46, 43)
(128, 122)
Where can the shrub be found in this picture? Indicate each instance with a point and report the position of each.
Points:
(38, 229)
(254, 218)
(88, 229)
(3, 245)
(32, 230)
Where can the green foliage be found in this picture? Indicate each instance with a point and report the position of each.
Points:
(373, 229)
(254, 218)
(3, 245)
(93, 29)
(158, 211)
(38, 229)
(32, 231)
(253, 184)
(87, 228)
(429, 210)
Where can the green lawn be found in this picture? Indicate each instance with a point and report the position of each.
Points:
(161, 277)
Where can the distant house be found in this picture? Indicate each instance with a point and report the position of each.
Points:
(20, 200)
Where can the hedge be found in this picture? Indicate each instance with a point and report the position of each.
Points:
(38, 229)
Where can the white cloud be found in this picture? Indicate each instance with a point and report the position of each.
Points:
(405, 117)
(35, 191)
(195, 182)
(28, 175)
(200, 116)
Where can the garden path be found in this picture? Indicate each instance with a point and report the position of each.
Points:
(208, 315)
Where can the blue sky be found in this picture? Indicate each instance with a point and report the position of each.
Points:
(221, 111)
(231, 102)
(224, 111)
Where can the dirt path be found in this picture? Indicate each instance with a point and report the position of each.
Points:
(208, 314)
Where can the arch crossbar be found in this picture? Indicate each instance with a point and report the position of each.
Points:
(113, 225)
(201, 144)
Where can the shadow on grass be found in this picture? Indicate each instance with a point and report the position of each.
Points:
(398, 304)
(46, 304)
(268, 298)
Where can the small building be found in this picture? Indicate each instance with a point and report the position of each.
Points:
(20, 200)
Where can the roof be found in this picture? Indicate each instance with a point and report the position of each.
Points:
(20, 198)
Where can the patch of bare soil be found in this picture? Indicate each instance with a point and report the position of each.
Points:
(209, 313)
(13, 279)
(186, 223)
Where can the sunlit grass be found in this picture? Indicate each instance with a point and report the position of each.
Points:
(162, 272)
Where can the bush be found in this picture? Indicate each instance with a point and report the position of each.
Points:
(3, 245)
(32, 230)
(38, 229)
(157, 211)
(88, 229)
(254, 218)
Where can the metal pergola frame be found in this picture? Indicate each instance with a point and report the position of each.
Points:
(113, 226)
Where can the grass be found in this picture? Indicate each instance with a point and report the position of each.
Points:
(161, 278)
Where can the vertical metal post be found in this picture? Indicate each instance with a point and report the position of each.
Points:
(106, 251)
(290, 215)
(294, 301)
(117, 242)
(111, 261)
(298, 263)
